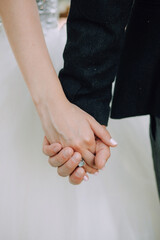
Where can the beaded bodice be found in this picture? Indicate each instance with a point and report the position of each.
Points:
(48, 13)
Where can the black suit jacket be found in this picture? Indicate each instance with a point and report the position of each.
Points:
(98, 48)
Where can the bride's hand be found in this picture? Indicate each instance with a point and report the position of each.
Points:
(72, 127)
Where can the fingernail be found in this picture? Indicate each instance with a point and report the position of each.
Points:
(85, 178)
(96, 173)
(103, 168)
(67, 153)
(57, 148)
(112, 141)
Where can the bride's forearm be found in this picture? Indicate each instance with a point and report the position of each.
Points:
(22, 25)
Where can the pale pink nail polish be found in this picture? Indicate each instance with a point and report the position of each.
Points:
(112, 141)
(85, 178)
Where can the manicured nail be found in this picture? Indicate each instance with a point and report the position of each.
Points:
(57, 148)
(112, 141)
(85, 178)
(67, 153)
(96, 173)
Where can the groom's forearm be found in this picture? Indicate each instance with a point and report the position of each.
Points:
(95, 33)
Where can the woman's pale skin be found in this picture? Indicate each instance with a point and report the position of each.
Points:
(66, 160)
(63, 122)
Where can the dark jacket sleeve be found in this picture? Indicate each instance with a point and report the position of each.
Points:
(95, 33)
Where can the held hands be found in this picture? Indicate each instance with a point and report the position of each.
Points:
(73, 130)
(72, 127)
(66, 160)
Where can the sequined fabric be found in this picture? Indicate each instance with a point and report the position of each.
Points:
(48, 13)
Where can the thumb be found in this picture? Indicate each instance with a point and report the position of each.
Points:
(101, 132)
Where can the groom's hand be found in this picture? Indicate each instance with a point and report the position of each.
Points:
(66, 161)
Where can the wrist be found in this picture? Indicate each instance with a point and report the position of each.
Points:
(47, 90)
(50, 101)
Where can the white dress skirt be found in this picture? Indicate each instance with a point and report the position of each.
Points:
(121, 203)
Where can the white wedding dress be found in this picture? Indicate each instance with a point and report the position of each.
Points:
(121, 203)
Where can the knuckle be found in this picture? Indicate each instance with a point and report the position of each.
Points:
(104, 131)
(107, 133)
(91, 118)
(73, 162)
(78, 144)
(88, 139)
(70, 164)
